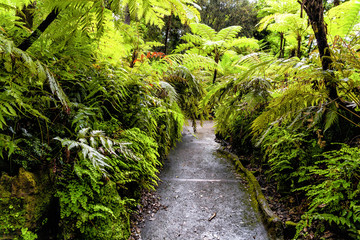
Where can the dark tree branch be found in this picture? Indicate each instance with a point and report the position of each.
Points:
(40, 29)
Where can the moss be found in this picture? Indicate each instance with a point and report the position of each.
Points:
(290, 223)
(258, 199)
(23, 201)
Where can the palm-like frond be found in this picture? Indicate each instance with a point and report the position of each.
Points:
(343, 18)
(227, 33)
(193, 61)
(203, 30)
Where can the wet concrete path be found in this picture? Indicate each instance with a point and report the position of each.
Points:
(199, 185)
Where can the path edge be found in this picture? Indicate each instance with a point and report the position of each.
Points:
(272, 222)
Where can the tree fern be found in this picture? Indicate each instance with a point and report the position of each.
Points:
(343, 18)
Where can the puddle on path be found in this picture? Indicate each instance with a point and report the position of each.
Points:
(204, 199)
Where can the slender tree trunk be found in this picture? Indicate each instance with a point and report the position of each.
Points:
(315, 12)
(281, 55)
(133, 58)
(40, 29)
(298, 50)
(217, 58)
(168, 28)
(283, 47)
(292, 53)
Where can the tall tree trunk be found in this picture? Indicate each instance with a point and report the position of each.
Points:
(168, 28)
(217, 58)
(315, 12)
(40, 29)
(298, 50)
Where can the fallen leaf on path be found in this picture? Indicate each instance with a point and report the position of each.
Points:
(212, 217)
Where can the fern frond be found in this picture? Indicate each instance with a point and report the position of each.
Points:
(246, 42)
(227, 33)
(284, 108)
(203, 30)
(173, 96)
(193, 61)
(196, 39)
(265, 22)
(343, 18)
(57, 90)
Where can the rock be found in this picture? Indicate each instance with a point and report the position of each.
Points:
(27, 197)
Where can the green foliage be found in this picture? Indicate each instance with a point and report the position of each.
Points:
(92, 103)
(219, 15)
(27, 235)
(13, 215)
(206, 40)
(287, 154)
(190, 92)
(342, 19)
(92, 209)
(72, 81)
(334, 196)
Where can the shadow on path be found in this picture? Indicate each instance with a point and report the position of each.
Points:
(204, 198)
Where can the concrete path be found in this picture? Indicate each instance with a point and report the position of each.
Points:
(204, 198)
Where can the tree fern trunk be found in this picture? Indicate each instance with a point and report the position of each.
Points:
(133, 58)
(315, 12)
(168, 28)
(283, 47)
(127, 17)
(40, 29)
(217, 58)
(298, 50)
(281, 55)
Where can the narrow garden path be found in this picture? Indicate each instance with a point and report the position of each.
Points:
(202, 195)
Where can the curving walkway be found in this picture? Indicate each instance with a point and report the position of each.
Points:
(204, 198)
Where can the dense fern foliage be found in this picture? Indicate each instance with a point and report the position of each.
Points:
(98, 121)
(281, 111)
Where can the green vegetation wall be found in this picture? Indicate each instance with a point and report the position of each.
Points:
(86, 115)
